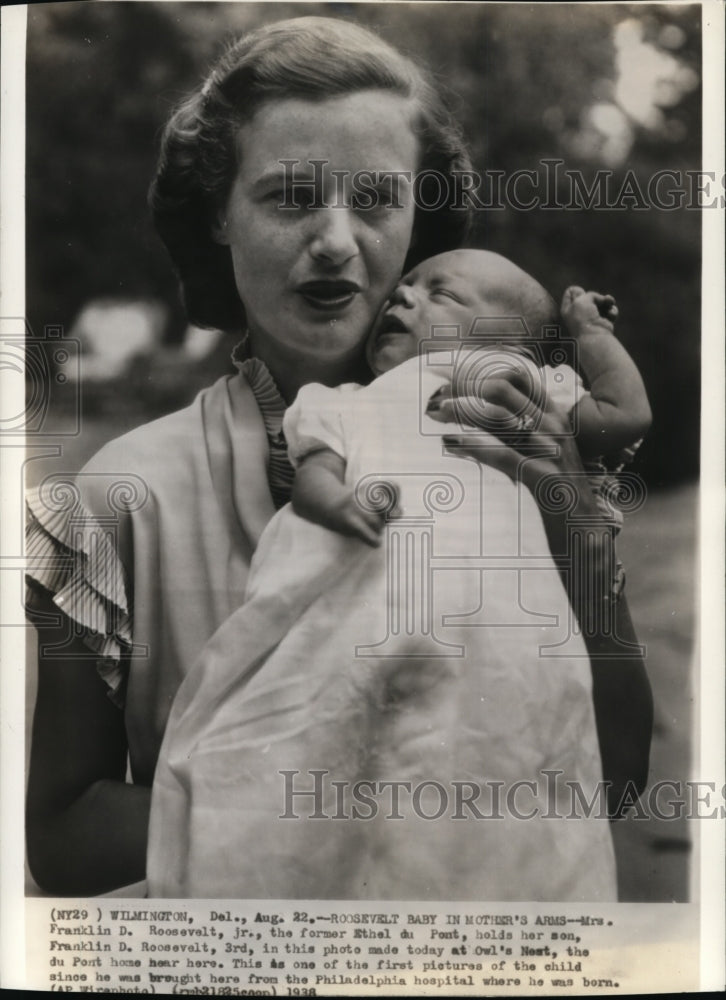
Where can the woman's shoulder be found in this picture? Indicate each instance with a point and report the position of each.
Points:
(173, 455)
(164, 446)
(147, 443)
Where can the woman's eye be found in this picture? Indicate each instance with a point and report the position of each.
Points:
(290, 197)
(304, 197)
(279, 198)
(369, 201)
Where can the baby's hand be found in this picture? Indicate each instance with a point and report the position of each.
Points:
(349, 518)
(581, 309)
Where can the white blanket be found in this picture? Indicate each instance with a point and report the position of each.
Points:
(430, 696)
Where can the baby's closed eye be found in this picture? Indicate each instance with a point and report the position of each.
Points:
(444, 293)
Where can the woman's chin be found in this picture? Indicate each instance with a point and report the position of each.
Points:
(337, 335)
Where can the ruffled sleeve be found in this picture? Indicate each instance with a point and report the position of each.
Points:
(314, 421)
(72, 555)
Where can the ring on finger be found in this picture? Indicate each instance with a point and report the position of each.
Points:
(525, 422)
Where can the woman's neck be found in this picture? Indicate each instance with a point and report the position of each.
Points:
(290, 374)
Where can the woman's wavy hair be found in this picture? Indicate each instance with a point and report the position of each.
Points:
(309, 57)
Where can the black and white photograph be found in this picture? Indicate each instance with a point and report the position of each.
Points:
(362, 462)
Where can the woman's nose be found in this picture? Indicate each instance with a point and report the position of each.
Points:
(403, 295)
(334, 240)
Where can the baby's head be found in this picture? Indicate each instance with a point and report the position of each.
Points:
(455, 289)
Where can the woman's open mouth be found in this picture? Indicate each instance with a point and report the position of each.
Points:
(329, 295)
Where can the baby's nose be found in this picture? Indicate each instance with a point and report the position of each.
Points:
(403, 295)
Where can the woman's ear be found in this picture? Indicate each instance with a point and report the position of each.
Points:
(219, 230)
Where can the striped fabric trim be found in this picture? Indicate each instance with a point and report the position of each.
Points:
(280, 473)
(70, 555)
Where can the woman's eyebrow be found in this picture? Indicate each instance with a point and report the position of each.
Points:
(271, 177)
(303, 183)
(282, 173)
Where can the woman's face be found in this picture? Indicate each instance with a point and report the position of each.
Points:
(313, 277)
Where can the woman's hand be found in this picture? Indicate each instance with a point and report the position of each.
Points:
(532, 443)
(526, 437)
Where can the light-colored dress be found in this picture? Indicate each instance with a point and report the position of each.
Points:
(148, 548)
(443, 662)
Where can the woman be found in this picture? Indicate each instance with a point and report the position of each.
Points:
(163, 522)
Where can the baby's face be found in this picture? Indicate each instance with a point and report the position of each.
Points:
(447, 290)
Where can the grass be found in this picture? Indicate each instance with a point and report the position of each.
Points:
(657, 547)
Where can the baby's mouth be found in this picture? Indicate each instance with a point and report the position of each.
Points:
(391, 323)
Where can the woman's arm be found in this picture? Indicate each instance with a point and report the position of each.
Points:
(623, 709)
(582, 547)
(616, 413)
(321, 495)
(86, 827)
(585, 557)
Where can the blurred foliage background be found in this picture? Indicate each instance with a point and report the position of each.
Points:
(602, 87)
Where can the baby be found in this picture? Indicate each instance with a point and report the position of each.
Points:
(496, 314)
(445, 655)
(454, 290)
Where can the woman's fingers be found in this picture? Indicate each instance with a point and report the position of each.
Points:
(498, 456)
(524, 435)
(519, 422)
(542, 462)
(489, 451)
(471, 411)
(502, 400)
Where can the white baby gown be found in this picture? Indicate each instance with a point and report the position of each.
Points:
(429, 696)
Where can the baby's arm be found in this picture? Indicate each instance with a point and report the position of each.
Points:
(321, 495)
(616, 413)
